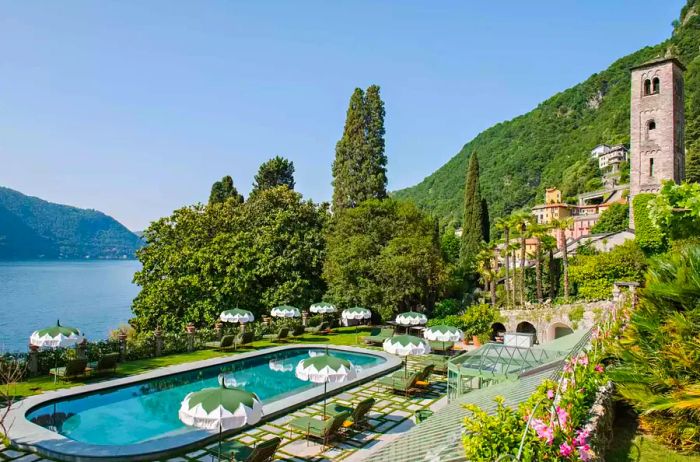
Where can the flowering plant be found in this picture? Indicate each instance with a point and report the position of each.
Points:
(548, 426)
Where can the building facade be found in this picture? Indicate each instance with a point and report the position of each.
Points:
(657, 126)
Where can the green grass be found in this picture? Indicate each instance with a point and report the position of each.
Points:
(41, 384)
(630, 445)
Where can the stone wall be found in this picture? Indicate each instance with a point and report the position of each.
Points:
(600, 424)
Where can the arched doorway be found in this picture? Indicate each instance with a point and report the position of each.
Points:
(558, 330)
(497, 331)
(527, 328)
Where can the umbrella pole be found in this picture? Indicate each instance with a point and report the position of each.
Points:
(219, 440)
(55, 365)
(325, 384)
(405, 368)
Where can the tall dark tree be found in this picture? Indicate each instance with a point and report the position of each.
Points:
(486, 220)
(223, 190)
(473, 223)
(277, 171)
(359, 168)
(375, 167)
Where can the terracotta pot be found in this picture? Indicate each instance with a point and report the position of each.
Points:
(475, 341)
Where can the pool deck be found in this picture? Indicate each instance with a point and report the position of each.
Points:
(28, 436)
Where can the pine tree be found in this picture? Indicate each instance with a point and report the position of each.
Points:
(277, 171)
(359, 168)
(224, 189)
(473, 223)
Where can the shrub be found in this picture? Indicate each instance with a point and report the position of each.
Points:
(447, 307)
(658, 351)
(647, 235)
(593, 275)
(615, 218)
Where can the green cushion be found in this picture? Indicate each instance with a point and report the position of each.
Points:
(233, 450)
(335, 409)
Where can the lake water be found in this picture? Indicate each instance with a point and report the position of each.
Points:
(94, 296)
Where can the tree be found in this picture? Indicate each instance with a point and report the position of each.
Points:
(359, 168)
(382, 254)
(204, 259)
(538, 232)
(549, 245)
(224, 190)
(486, 267)
(12, 371)
(277, 171)
(523, 220)
(561, 226)
(615, 218)
(473, 224)
(504, 224)
(376, 166)
(675, 211)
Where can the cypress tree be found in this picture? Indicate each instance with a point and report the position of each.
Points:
(486, 221)
(473, 222)
(224, 189)
(376, 164)
(359, 168)
(277, 171)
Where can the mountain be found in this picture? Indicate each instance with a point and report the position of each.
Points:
(550, 145)
(33, 228)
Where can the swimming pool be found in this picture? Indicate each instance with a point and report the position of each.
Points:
(149, 409)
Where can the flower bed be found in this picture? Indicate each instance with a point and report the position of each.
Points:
(553, 424)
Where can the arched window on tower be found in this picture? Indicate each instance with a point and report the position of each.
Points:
(656, 85)
(651, 126)
(647, 87)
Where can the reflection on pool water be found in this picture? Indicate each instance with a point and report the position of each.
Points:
(149, 409)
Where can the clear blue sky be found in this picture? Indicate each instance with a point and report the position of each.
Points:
(135, 108)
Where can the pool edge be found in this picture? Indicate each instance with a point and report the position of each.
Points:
(29, 436)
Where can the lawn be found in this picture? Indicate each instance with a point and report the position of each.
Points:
(630, 445)
(40, 384)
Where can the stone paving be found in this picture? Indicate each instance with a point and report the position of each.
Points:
(392, 415)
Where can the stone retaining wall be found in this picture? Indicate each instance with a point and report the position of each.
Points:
(600, 424)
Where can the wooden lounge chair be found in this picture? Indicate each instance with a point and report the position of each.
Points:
(320, 329)
(379, 337)
(423, 380)
(106, 364)
(279, 336)
(324, 430)
(358, 414)
(400, 383)
(245, 338)
(226, 342)
(74, 368)
(239, 452)
(298, 331)
(439, 363)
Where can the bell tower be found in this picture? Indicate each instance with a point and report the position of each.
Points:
(657, 126)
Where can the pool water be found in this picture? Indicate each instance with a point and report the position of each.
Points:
(149, 409)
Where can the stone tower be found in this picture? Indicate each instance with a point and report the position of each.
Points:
(657, 126)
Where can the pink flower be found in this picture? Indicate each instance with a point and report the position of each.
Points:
(568, 368)
(581, 438)
(550, 394)
(562, 416)
(585, 453)
(543, 430)
(599, 368)
(583, 360)
(565, 449)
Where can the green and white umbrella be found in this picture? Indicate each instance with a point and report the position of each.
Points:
(322, 308)
(57, 336)
(356, 313)
(411, 318)
(285, 311)
(237, 315)
(220, 407)
(443, 334)
(325, 369)
(406, 345)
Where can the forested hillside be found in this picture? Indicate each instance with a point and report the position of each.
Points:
(550, 145)
(34, 228)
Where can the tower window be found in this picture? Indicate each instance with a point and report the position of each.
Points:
(647, 87)
(651, 166)
(656, 85)
(651, 125)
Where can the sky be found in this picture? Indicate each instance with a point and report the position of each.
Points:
(136, 108)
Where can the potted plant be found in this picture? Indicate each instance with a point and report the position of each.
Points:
(190, 328)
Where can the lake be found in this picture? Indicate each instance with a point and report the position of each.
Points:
(94, 296)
